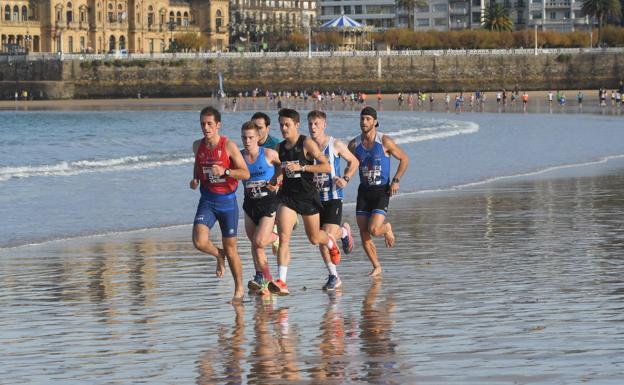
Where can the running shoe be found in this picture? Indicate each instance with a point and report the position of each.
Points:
(264, 291)
(334, 252)
(256, 283)
(333, 283)
(347, 240)
(278, 287)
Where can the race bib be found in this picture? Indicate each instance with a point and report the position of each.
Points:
(372, 175)
(291, 174)
(210, 177)
(322, 181)
(256, 189)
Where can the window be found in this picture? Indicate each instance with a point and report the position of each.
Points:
(179, 18)
(567, 15)
(219, 19)
(150, 17)
(83, 16)
(7, 13)
(82, 44)
(347, 9)
(171, 17)
(553, 15)
(122, 42)
(422, 22)
(337, 10)
(70, 44)
(476, 3)
(70, 13)
(440, 7)
(185, 19)
(16, 13)
(440, 22)
(423, 9)
(110, 14)
(24, 13)
(358, 9)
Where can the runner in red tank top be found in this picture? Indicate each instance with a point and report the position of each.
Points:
(218, 167)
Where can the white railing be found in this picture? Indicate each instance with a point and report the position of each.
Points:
(304, 54)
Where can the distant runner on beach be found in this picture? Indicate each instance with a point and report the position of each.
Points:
(298, 194)
(218, 167)
(330, 186)
(373, 150)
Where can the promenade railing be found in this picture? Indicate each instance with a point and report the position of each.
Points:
(305, 54)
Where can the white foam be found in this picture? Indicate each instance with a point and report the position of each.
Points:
(521, 175)
(446, 130)
(65, 168)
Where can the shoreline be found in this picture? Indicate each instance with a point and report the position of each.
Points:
(600, 166)
(388, 101)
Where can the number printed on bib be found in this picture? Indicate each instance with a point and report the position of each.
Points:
(256, 189)
(291, 174)
(210, 177)
(323, 184)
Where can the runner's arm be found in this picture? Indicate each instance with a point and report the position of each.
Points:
(194, 183)
(393, 149)
(352, 163)
(273, 158)
(312, 150)
(238, 167)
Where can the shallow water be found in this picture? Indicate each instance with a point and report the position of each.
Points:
(515, 282)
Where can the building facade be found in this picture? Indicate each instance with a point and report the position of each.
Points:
(254, 20)
(100, 26)
(381, 14)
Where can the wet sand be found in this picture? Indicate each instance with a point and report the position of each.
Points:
(516, 282)
(538, 103)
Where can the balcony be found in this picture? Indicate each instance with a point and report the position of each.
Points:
(459, 11)
(72, 25)
(60, 24)
(557, 5)
(83, 25)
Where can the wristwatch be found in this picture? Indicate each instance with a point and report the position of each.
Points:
(346, 178)
(226, 172)
(395, 180)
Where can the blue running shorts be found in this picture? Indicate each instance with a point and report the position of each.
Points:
(222, 209)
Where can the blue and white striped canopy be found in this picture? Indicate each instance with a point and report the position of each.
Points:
(342, 22)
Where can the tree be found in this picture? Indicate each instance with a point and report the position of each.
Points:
(189, 41)
(497, 18)
(601, 9)
(409, 6)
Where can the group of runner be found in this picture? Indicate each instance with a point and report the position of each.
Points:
(299, 175)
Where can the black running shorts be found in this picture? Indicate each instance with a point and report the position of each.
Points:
(331, 212)
(302, 204)
(258, 208)
(372, 200)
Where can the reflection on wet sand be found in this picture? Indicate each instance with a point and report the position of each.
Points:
(482, 284)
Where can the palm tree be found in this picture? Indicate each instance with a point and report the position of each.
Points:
(497, 18)
(601, 9)
(409, 6)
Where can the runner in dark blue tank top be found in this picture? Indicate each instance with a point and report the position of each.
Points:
(298, 194)
(373, 150)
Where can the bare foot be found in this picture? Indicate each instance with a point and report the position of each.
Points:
(220, 264)
(236, 300)
(389, 236)
(376, 272)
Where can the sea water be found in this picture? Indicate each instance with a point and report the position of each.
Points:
(65, 174)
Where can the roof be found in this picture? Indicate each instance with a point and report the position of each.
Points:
(342, 21)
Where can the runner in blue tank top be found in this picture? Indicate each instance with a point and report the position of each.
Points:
(373, 151)
(330, 186)
(260, 204)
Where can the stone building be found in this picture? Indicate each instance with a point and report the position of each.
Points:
(100, 26)
(255, 20)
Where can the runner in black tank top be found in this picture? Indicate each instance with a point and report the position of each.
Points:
(298, 194)
(298, 190)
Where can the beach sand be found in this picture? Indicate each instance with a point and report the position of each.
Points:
(518, 281)
(538, 103)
